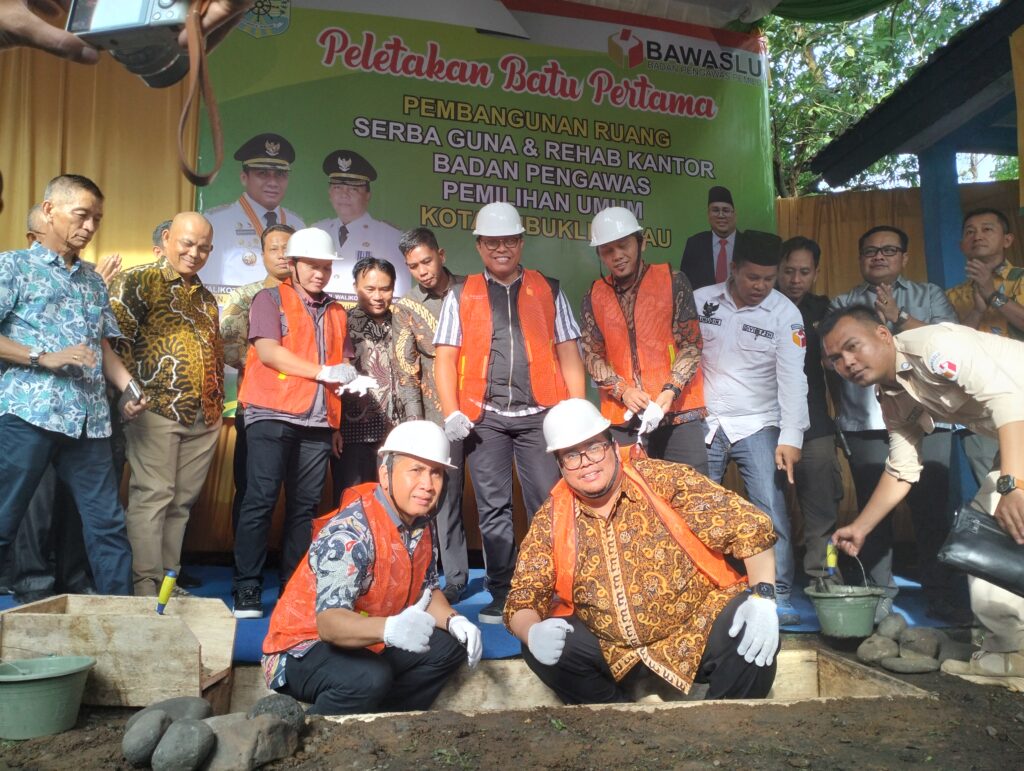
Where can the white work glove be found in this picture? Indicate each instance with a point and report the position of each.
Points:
(457, 426)
(546, 640)
(468, 635)
(410, 630)
(360, 386)
(651, 418)
(761, 639)
(337, 373)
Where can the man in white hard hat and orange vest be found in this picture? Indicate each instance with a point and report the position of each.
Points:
(641, 345)
(506, 351)
(623, 575)
(297, 335)
(363, 625)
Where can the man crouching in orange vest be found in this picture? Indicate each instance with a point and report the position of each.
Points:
(622, 575)
(362, 625)
(641, 345)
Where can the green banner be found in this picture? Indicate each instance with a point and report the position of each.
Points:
(592, 108)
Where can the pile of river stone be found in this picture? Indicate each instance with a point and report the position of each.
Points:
(182, 734)
(898, 647)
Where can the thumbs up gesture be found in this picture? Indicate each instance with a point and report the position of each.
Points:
(410, 630)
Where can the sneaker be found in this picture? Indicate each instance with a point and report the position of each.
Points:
(787, 613)
(883, 609)
(493, 613)
(188, 580)
(988, 664)
(453, 592)
(248, 602)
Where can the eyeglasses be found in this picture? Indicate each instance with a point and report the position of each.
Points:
(888, 251)
(718, 211)
(595, 453)
(493, 244)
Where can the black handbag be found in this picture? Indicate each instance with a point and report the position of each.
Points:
(979, 547)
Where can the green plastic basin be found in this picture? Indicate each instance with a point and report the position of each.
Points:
(39, 697)
(846, 611)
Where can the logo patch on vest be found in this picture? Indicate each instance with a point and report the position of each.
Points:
(799, 336)
(944, 367)
(707, 316)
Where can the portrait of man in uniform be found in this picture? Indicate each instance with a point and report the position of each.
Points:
(356, 233)
(237, 226)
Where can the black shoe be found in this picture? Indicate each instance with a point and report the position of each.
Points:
(188, 581)
(453, 592)
(949, 612)
(248, 601)
(493, 613)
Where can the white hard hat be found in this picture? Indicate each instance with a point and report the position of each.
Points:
(612, 224)
(498, 219)
(311, 243)
(572, 421)
(420, 439)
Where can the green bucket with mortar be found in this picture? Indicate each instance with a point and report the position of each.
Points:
(39, 697)
(846, 611)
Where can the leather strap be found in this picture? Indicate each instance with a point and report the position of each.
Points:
(199, 80)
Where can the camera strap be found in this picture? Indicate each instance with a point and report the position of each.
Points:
(199, 80)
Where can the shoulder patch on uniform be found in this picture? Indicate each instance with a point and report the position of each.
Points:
(799, 336)
(944, 366)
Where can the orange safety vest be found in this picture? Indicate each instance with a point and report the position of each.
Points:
(397, 578)
(563, 540)
(264, 386)
(653, 313)
(536, 308)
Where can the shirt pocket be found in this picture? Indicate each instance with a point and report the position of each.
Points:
(755, 339)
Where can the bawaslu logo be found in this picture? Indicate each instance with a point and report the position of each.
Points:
(626, 49)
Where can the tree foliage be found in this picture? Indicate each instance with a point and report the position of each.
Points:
(826, 76)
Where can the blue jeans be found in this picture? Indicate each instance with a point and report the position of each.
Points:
(85, 466)
(755, 458)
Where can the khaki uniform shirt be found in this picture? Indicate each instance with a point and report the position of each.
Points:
(951, 373)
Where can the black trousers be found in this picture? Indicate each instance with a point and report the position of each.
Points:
(495, 443)
(581, 675)
(345, 681)
(241, 458)
(357, 464)
(450, 529)
(279, 452)
(683, 443)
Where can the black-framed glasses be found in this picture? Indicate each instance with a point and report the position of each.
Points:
(595, 453)
(494, 244)
(888, 251)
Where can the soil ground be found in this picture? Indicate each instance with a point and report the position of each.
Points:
(967, 727)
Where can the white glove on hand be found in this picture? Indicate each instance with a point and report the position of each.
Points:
(359, 385)
(761, 640)
(546, 640)
(457, 426)
(651, 418)
(468, 635)
(337, 373)
(410, 630)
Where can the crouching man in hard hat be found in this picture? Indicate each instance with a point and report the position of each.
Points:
(622, 575)
(362, 625)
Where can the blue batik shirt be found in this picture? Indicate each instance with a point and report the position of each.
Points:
(48, 308)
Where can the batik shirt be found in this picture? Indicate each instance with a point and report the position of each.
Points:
(234, 323)
(48, 308)
(1009, 282)
(634, 587)
(172, 342)
(341, 558)
(371, 417)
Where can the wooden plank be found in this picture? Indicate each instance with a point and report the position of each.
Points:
(796, 675)
(842, 678)
(495, 684)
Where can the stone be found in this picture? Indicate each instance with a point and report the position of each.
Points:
(920, 642)
(913, 666)
(143, 736)
(184, 747)
(955, 650)
(179, 707)
(876, 648)
(282, 706)
(246, 744)
(892, 626)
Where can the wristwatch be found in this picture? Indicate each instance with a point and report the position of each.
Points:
(764, 590)
(33, 357)
(998, 300)
(1006, 484)
(902, 319)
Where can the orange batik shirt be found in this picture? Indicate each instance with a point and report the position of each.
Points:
(635, 588)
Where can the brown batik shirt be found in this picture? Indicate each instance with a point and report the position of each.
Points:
(634, 587)
(171, 341)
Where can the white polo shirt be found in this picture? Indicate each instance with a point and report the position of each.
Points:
(753, 362)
